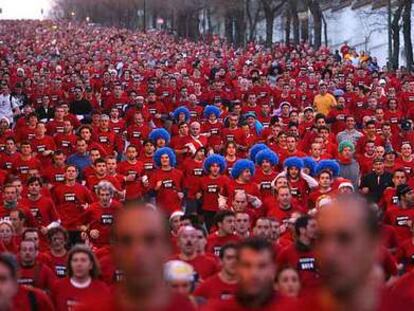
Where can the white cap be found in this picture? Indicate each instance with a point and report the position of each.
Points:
(176, 214)
(346, 184)
(177, 270)
(382, 81)
(325, 201)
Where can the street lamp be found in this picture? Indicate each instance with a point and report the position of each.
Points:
(88, 19)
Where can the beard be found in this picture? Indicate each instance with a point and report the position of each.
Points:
(260, 299)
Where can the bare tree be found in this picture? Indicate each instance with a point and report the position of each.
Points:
(408, 45)
(271, 8)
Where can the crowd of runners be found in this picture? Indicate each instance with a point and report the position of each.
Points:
(285, 174)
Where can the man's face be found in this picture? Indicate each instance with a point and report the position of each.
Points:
(81, 265)
(201, 242)
(291, 143)
(227, 225)
(370, 129)
(187, 241)
(104, 197)
(370, 148)
(10, 194)
(378, 167)
(141, 247)
(350, 123)
(240, 202)
(325, 180)
(165, 160)
(180, 287)
(26, 150)
(81, 146)
(316, 150)
(284, 197)
(343, 239)
(101, 168)
(15, 220)
(70, 173)
(293, 172)
(34, 188)
(246, 175)
(85, 134)
(8, 287)
(228, 262)
(195, 129)
(406, 150)
(256, 271)
(28, 252)
(399, 178)
(409, 198)
(242, 224)
(262, 228)
(58, 241)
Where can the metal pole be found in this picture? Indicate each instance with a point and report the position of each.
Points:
(389, 33)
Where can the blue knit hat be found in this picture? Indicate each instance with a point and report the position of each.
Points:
(210, 109)
(267, 154)
(160, 133)
(165, 150)
(179, 110)
(331, 165)
(240, 166)
(294, 162)
(311, 164)
(214, 159)
(255, 149)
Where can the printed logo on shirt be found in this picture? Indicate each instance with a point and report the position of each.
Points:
(59, 177)
(394, 199)
(402, 220)
(167, 183)
(265, 185)
(65, 143)
(25, 281)
(136, 134)
(60, 271)
(307, 264)
(103, 139)
(214, 131)
(72, 304)
(197, 171)
(118, 275)
(152, 110)
(35, 212)
(212, 188)
(149, 166)
(24, 169)
(295, 192)
(107, 219)
(8, 165)
(226, 296)
(69, 197)
(217, 250)
(41, 148)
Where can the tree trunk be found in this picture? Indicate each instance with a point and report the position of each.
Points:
(304, 25)
(325, 30)
(395, 28)
(293, 7)
(270, 18)
(287, 26)
(316, 12)
(408, 44)
(228, 25)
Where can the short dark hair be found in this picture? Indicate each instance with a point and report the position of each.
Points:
(302, 222)
(256, 244)
(225, 247)
(56, 230)
(220, 215)
(34, 179)
(28, 230)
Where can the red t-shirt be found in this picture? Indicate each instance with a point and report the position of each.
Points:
(69, 200)
(204, 265)
(210, 189)
(67, 297)
(57, 264)
(39, 275)
(134, 189)
(21, 301)
(303, 260)
(399, 218)
(215, 242)
(167, 196)
(43, 210)
(215, 288)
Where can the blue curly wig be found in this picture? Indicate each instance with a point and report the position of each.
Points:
(254, 150)
(311, 164)
(214, 159)
(168, 151)
(267, 154)
(210, 109)
(160, 133)
(294, 162)
(240, 166)
(330, 165)
(179, 110)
